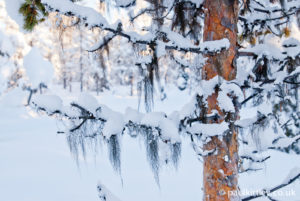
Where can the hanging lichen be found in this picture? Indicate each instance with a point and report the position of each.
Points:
(76, 142)
(115, 152)
(176, 153)
(151, 144)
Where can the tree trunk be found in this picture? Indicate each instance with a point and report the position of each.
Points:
(221, 168)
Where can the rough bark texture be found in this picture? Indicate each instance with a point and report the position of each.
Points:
(221, 168)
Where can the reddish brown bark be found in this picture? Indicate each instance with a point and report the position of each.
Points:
(221, 168)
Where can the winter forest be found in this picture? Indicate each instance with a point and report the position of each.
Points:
(149, 100)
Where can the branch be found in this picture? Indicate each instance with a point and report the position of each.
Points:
(250, 170)
(103, 43)
(256, 160)
(268, 192)
(249, 98)
(78, 127)
(246, 54)
(141, 13)
(93, 19)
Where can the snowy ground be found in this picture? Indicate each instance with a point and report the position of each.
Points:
(36, 164)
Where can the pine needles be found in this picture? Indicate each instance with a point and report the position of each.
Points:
(33, 12)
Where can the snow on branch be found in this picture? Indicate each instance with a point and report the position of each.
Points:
(264, 14)
(209, 129)
(92, 19)
(207, 47)
(166, 127)
(285, 142)
(292, 177)
(87, 120)
(253, 159)
(67, 7)
(114, 122)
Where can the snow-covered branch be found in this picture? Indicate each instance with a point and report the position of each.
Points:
(93, 19)
(265, 15)
(292, 177)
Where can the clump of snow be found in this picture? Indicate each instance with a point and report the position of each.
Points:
(292, 47)
(226, 158)
(114, 124)
(291, 42)
(209, 129)
(286, 142)
(124, 3)
(216, 45)
(153, 119)
(38, 70)
(233, 88)
(91, 16)
(70, 111)
(246, 122)
(175, 117)
(114, 121)
(51, 103)
(168, 128)
(225, 102)
(206, 152)
(208, 86)
(88, 102)
(132, 115)
(179, 41)
(272, 51)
